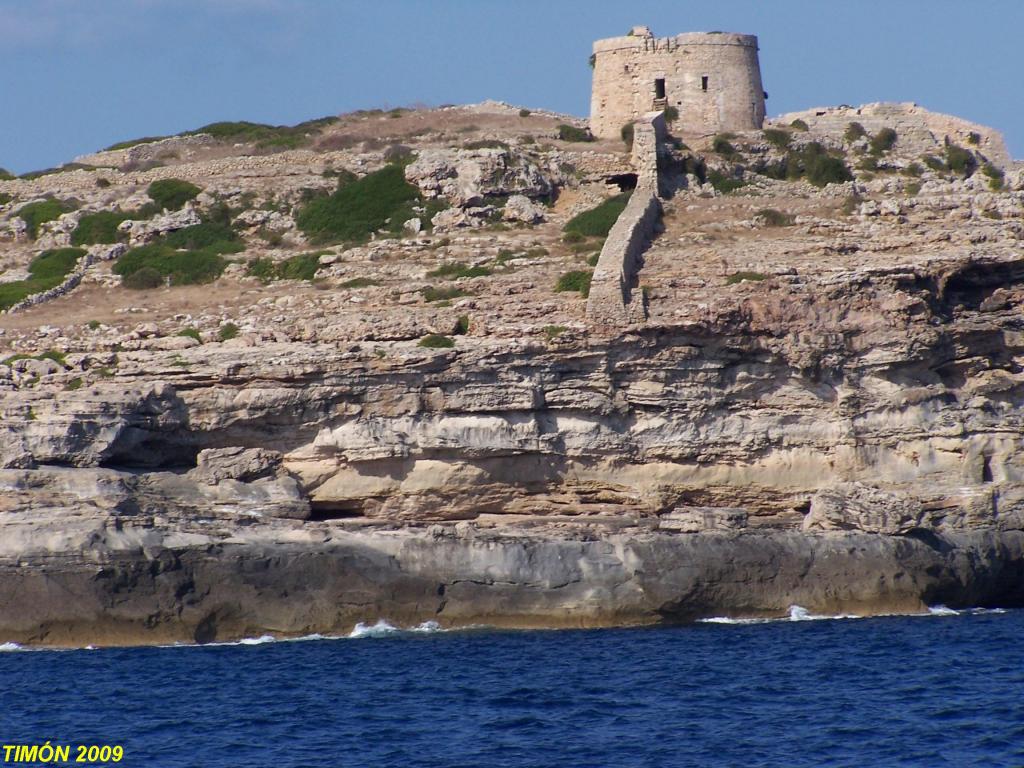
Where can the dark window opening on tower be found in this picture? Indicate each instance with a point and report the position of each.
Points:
(704, 83)
(986, 469)
(659, 88)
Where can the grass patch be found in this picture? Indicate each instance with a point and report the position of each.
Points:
(46, 271)
(853, 132)
(209, 236)
(775, 218)
(181, 267)
(725, 184)
(38, 213)
(456, 270)
(51, 354)
(777, 137)
(191, 333)
(553, 331)
(883, 141)
(485, 144)
(740, 277)
(462, 325)
(814, 164)
(596, 222)
(172, 194)
(302, 266)
(360, 208)
(722, 145)
(75, 383)
(799, 125)
(100, 227)
(577, 280)
(227, 332)
(436, 341)
(432, 294)
(572, 133)
(994, 175)
(960, 161)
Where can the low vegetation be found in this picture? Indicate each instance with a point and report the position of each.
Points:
(99, 227)
(209, 236)
(724, 183)
(149, 266)
(455, 270)
(854, 131)
(799, 125)
(883, 141)
(42, 211)
(432, 294)
(577, 280)
(775, 218)
(778, 138)
(360, 208)
(722, 145)
(994, 175)
(227, 332)
(572, 133)
(436, 341)
(597, 222)
(172, 194)
(741, 277)
(553, 331)
(46, 271)
(260, 134)
(302, 266)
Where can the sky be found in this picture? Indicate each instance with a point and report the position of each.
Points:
(79, 75)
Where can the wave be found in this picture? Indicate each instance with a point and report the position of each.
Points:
(799, 613)
(383, 628)
(10, 648)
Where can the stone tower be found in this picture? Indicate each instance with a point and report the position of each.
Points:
(712, 78)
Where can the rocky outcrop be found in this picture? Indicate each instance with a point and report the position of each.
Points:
(469, 177)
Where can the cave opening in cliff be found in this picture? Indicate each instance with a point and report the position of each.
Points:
(320, 511)
(986, 469)
(626, 182)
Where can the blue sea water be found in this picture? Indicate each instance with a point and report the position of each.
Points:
(939, 690)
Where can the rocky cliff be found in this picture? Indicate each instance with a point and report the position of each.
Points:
(821, 408)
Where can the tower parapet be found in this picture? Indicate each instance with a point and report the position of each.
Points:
(713, 79)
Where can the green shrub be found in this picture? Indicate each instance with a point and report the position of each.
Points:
(722, 145)
(456, 270)
(191, 333)
(671, 114)
(974, 138)
(432, 294)
(398, 154)
(302, 266)
(914, 170)
(995, 176)
(94, 324)
(485, 144)
(143, 279)
(5, 198)
(577, 280)
(739, 277)
(593, 258)
(216, 238)
(100, 227)
(182, 267)
(935, 163)
(627, 132)
(263, 135)
(597, 222)
(992, 213)
(524, 113)
(572, 133)
(777, 137)
(883, 141)
(573, 237)
(775, 218)
(46, 271)
(960, 160)
(818, 167)
(102, 183)
(35, 214)
(227, 332)
(172, 194)
(912, 189)
(73, 384)
(853, 132)
(358, 209)
(725, 184)
(799, 125)
(553, 331)
(6, 175)
(462, 325)
(436, 341)
(868, 163)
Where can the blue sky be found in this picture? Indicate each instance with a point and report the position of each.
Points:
(78, 75)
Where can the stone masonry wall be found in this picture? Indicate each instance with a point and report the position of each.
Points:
(713, 79)
(612, 302)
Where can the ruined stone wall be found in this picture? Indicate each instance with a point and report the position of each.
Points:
(917, 129)
(612, 302)
(713, 79)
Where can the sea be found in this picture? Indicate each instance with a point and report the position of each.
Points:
(940, 689)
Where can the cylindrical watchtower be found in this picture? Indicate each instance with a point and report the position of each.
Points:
(712, 78)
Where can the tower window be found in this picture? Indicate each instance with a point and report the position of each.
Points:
(659, 88)
(704, 83)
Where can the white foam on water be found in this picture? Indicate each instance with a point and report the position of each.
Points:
(941, 610)
(10, 647)
(257, 640)
(427, 627)
(381, 629)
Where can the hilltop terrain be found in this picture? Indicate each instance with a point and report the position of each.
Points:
(286, 379)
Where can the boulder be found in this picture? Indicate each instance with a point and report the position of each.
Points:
(521, 208)
(859, 507)
(214, 465)
(467, 177)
